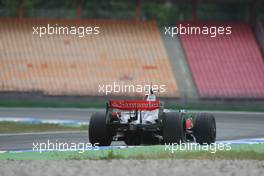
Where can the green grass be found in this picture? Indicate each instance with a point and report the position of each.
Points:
(219, 107)
(50, 104)
(238, 152)
(17, 127)
(99, 104)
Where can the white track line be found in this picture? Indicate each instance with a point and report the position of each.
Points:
(40, 133)
(231, 112)
(32, 120)
(54, 109)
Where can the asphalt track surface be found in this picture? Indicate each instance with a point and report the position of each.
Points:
(230, 126)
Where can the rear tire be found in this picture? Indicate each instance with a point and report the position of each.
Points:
(204, 128)
(173, 130)
(98, 130)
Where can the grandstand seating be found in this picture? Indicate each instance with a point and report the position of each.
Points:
(125, 50)
(228, 66)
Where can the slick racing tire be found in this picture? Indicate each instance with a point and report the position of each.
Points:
(204, 128)
(173, 129)
(98, 131)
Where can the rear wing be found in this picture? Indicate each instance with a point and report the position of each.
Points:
(130, 105)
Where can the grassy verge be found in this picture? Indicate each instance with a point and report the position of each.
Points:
(101, 104)
(15, 127)
(238, 152)
(50, 104)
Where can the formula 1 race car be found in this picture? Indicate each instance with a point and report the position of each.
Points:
(146, 122)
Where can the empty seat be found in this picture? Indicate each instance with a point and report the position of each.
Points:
(125, 51)
(228, 66)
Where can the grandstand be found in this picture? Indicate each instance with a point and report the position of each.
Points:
(125, 51)
(131, 49)
(226, 66)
